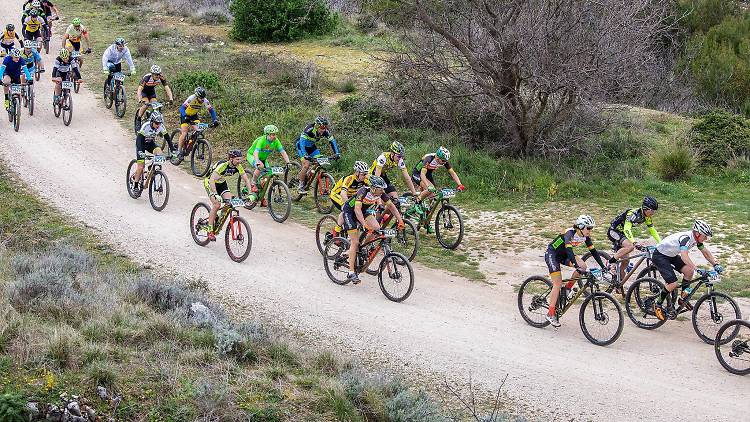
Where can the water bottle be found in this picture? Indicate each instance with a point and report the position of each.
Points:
(629, 267)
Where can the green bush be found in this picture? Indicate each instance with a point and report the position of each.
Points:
(673, 163)
(701, 15)
(720, 137)
(280, 20)
(185, 82)
(12, 407)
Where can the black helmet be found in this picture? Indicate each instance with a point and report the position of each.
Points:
(200, 92)
(10, 27)
(322, 121)
(649, 203)
(234, 153)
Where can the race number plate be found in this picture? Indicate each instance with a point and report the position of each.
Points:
(75, 55)
(15, 89)
(389, 233)
(202, 126)
(159, 158)
(156, 106)
(237, 202)
(67, 85)
(277, 170)
(119, 77)
(448, 193)
(324, 161)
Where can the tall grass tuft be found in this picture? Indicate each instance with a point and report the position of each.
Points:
(673, 163)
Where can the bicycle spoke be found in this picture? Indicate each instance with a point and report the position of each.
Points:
(733, 347)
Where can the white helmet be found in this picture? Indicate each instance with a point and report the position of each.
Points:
(155, 69)
(584, 221)
(361, 167)
(29, 44)
(36, 4)
(702, 227)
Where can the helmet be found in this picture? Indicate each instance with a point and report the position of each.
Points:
(76, 21)
(377, 182)
(155, 69)
(269, 129)
(33, 13)
(649, 203)
(200, 92)
(361, 167)
(397, 148)
(156, 117)
(10, 27)
(36, 4)
(234, 153)
(584, 221)
(443, 153)
(702, 227)
(64, 53)
(15, 53)
(120, 41)
(320, 120)
(28, 44)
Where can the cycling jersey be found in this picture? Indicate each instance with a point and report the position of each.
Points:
(430, 163)
(31, 58)
(225, 169)
(624, 223)
(560, 250)
(32, 24)
(13, 69)
(385, 161)
(74, 35)
(306, 143)
(675, 243)
(9, 38)
(264, 147)
(193, 105)
(144, 140)
(112, 55)
(368, 200)
(61, 68)
(348, 183)
(148, 82)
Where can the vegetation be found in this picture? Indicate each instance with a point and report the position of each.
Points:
(280, 20)
(721, 137)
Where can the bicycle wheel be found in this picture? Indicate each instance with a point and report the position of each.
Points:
(238, 239)
(76, 86)
(30, 99)
(279, 201)
(108, 98)
(173, 157)
(710, 312)
(601, 319)
(291, 178)
(639, 303)
(322, 193)
(406, 241)
(56, 108)
(532, 300)
(16, 113)
(121, 101)
(396, 277)
(449, 227)
(67, 109)
(136, 122)
(335, 260)
(128, 177)
(200, 158)
(37, 75)
(158, 190)
(325, 226)
(734, 356)
(241, 189)
(199, 223)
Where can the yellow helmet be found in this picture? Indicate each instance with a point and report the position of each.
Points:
(64, 53)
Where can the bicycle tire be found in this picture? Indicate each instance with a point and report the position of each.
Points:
(201, 151)
(248, 204)
(246, 237)
(592, 300)
(718, 349)
(128, 174)
(291, 178)
(56, 108)
(400, 243)
(335, 258)
(536, 302)
(199, 223)
(37, 76)
(440, 239)
(136, 122)
(121, 101)
(322, 193)
(636, 304)
(76, 86)
(173, 157)
(16, 113)
(67, 109)
(709, 337)
(275, 191)
(395, 259)
(155, 184)
(107, 95)
(31, 99)
(321, 230)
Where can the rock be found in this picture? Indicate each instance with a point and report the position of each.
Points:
(33, 409)
(102, 392)
(54, 413)
(91, 413)
(74, 408)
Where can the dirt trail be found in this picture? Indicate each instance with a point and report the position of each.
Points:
(449, 326)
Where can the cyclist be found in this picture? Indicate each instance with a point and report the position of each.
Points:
(63, 66)
(147, 89)
(13, 71)
(32, 26)
(346, 188)
(388, 160)
(560, 252)
(673, 253)
(50, 13)
(359, 211)
(32, 57)
(262, 147)
(307, 148)
(112, 59)
(73, 36)
(189, 115)
(422, 173)
(620, 232)
(9, 37)
(144, 142)
(216, 184)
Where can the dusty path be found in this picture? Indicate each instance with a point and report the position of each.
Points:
(448, 326)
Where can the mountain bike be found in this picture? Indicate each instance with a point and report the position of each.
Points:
(14, 112)
(76, 55)
(732, 346)
(395, 275)
(114, 92)
(618, 284)
(64, 103)
(237, 234)
(150, 108)
(708, 313)
(153, 179)
(600, 316)
(196, 145)
(27, 95)
(449, 225)
(318, 178)
(273, 192)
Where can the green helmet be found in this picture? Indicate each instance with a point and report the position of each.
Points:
(76, 21)
(269, 129)
(443, 153)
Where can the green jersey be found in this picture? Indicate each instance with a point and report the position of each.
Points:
(264, 147)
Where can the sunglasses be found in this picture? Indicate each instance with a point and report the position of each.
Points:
(589, 227)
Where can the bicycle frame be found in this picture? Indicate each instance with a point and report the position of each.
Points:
(314, 172)
(643, 256)
(382, 239)
(227, 212)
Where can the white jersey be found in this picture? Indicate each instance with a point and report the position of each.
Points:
(150, 133)
(675, 243)
(111, 55)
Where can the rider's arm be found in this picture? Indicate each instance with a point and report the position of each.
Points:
(129, 59)
(285, 156)
(183, 107)
(255, 156)
(652, 230)
(708, 255)
(594, 252)
(334, 145)
(27, 73)
(454, 176)
(167, 89)
(407, 177)
(211, 110)
(65, 38)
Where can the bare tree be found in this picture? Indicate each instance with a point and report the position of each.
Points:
(529, 68)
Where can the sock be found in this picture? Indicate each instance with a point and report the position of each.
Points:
(338, 229)
(570, 285)
(612, 260)
(551, 310)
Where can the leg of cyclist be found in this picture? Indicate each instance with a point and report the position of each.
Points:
(6, 81)
(184, 127)
(555, 274)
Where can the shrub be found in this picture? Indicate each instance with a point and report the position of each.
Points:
(101, 373)
(409, 406)
(673, 163)
(161, 297)
(12, 407)
(280, 20)
(62, 347)
(720, 136)
(186, 81)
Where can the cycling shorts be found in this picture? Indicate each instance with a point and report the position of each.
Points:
(388, 185)
(252, 162)
(616, 237)
(416, 177)
(76, 45)
(14, 79)
(665, 265)
(554, 260)
(142, 146)
(189, 120)
(32, 35)
(148, 92)
(221, 187)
